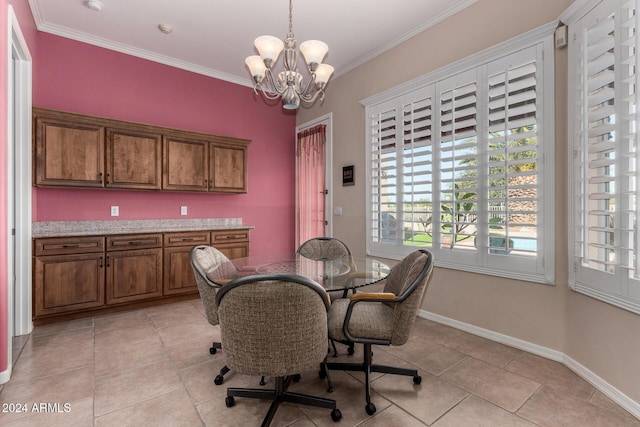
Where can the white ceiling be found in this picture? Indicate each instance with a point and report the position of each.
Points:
(213, 37)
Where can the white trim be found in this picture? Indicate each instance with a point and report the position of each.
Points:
(457, 7)
(607, 389)
(19, 299)
(326, 119)
(577, 10)
(189, 66)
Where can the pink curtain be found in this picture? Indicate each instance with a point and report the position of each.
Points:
(310, 210)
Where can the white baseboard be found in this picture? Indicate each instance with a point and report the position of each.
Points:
(607, 389)
(5, 375)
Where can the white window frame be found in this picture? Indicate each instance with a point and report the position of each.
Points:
(620, 286)
(539, 268)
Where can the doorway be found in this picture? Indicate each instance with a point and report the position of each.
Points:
(305, 188)
(18, 186)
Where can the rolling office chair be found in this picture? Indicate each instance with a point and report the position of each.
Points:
(274, 325)
(384, 318)
(204, 259)
(329, 249)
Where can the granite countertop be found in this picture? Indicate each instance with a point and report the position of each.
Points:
(90, 228)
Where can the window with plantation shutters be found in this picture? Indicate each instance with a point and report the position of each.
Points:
(456, 165)
(605, 158)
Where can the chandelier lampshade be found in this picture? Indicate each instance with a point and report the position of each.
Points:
(289, 84)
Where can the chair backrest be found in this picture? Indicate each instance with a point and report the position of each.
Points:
(204, 259)
(273, 324)
(324, 249)
(409, 280)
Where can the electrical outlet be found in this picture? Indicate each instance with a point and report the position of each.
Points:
(183, 210)
(115, 210)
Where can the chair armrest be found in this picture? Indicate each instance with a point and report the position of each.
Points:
(375, 296)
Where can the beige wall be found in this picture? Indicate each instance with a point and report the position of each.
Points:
(602, 338)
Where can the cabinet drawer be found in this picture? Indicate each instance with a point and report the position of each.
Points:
(186, 239)
(133, 241)
(68, 245)
(229, 236)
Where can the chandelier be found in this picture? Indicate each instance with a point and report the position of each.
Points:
(289, 83)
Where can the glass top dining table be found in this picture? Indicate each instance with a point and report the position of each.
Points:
(333, 275)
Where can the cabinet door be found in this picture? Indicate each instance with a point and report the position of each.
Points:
(68, 153)
(178, 274)
(228, 169)
(67, 283)
(134, 159)
(134, 275)
(185, 164)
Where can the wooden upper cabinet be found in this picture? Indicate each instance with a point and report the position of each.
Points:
(228, 169)
(68, 152)
(185, 164)
(76, 150)
(134, 159)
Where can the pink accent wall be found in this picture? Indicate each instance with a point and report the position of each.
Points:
(77, 77)
(81, 78)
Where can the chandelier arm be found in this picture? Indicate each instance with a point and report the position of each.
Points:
(310, 83)
(275, 84)
(311, 98)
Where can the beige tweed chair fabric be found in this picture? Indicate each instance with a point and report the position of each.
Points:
(324, 248)
(203, 260)
(385, 318)
(274, 325)
(329, 249)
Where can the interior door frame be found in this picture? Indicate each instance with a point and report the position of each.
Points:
(19, 97)
(326, 120)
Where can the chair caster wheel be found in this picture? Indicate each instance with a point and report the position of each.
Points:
(212, 350)
(417, 379)
(370, 408)
(296, 378)
(351, 350)
(229, 401)
(336, 415)
(262, 382)
(219, 379)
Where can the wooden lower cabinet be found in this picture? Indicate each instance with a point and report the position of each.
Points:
(134, 275)
(65, 283)
(178, 274)
(82, 276)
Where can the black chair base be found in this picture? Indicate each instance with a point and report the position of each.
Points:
(280, 395)
(368, 367)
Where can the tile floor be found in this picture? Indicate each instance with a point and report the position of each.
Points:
(152, 367)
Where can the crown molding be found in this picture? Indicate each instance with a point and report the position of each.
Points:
(140, 53)
(452, 10)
